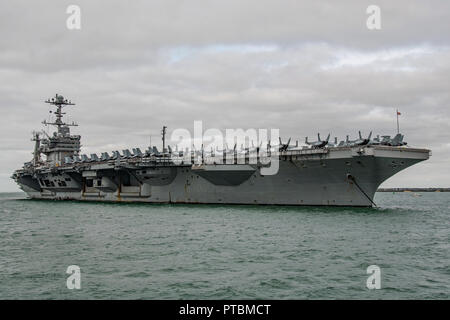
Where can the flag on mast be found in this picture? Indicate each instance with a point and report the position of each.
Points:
(398, 127)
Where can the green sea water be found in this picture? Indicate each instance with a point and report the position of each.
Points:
(148, 251)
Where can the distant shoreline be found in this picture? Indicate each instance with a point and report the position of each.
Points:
(413, 190)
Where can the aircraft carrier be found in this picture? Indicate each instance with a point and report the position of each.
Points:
(345, 173)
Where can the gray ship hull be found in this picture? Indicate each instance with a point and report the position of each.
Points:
(339, 176)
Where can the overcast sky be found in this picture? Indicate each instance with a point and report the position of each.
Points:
(300, 66)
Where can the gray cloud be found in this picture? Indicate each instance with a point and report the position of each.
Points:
(299, 66)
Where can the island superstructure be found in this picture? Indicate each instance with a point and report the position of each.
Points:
(347, 173)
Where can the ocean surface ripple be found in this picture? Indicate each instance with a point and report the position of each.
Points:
(148, 251)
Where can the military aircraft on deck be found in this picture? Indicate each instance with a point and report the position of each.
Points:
(360, 141)
(319, 143)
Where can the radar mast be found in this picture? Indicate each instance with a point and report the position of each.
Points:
(62, 144)
(60, 102)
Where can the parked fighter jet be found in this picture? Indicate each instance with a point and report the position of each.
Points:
(319, 143)
(226, 150)
(245, 150)
(284, 146)
(155, 152)
(359, 142)
(294, 147)
(396, 141)
(137, 153)
(176, 152)
(333, 144)
(255, 149)
(375, 141)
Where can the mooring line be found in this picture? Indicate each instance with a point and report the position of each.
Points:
(350, 177)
